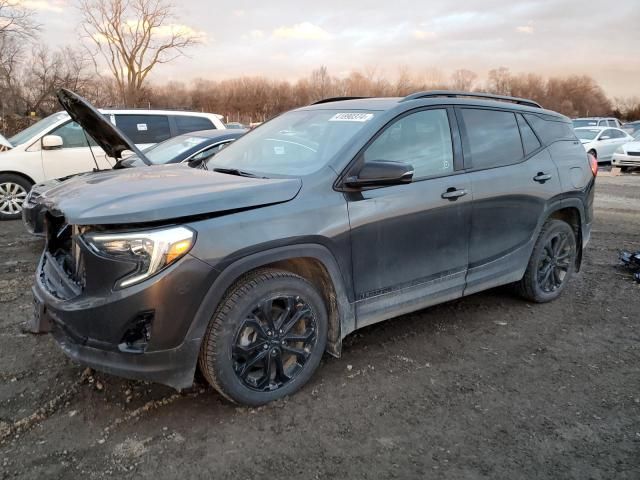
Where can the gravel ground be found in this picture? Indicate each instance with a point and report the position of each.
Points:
(484, 387)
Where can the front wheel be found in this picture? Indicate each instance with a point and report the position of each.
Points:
(266, 338)
(552, 263)
(13, 193)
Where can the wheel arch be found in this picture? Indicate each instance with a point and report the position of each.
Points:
(19, 174)
(311, 261)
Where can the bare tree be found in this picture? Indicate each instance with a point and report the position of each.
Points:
(15, 19)
(133, 37)
(463, 79)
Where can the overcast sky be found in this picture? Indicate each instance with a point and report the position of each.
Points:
(288, 38)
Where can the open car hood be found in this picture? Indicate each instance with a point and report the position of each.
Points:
(105, 133)
(140, 195)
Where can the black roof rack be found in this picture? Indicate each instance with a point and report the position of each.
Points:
(460, 94)
(336, 99)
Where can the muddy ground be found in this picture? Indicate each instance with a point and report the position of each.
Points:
(484, 387)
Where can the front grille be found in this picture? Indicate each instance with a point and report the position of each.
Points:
(634, 154)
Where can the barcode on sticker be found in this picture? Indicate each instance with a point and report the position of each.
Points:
(142, 127)
(351, 117)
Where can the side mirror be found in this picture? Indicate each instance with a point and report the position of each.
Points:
(51, 142)
(381, 172)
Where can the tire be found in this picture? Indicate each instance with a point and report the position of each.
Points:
(594, 153)
(13, 193)
(624, 169)
(252, 361)
(552, 263)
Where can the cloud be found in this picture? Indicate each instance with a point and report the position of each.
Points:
(528, 29)
(43, 5)
(256, 34)
(302, 31)
(424, 35)
(179, 29)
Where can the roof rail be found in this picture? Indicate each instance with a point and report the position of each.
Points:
(336, 99)
(461, 94)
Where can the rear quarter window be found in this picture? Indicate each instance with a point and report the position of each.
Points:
(142, 129)
(187, 124)
(549, 131)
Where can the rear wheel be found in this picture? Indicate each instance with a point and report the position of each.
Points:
(552, 263)
(13, 193)
(624, 169)
(266, 338)
(594, 153)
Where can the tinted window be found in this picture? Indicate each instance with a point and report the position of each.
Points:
(612, 123)
(585, 123)
(549, 131)
(529, 139)
(144, 128)
(608, 133)
(422, 139)
(492, 139)
(185, 124)
(616, 134)
(72, 136)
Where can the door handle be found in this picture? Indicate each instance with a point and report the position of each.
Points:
(542, 177)
(453, 194)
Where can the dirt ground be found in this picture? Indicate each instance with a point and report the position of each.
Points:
(484, 387)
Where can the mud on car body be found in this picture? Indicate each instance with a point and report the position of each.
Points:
(323, 220)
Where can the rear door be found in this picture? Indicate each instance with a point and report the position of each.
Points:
(409, 244)
(75, 155)
(144, 130)
(514, 180)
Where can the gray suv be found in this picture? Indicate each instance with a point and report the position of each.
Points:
(321, 221)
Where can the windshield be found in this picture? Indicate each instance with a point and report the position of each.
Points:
(587, 134)
(36, 129)
(585, 123)
(295, 143)
(168, 150)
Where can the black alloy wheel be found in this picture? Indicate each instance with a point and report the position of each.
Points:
(274, 342)
(554, 264)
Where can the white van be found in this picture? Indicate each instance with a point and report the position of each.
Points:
(56, 147)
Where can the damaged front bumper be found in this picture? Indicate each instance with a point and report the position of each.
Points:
(140, 332)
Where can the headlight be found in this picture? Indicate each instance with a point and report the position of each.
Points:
(151, 251)
(620, 150)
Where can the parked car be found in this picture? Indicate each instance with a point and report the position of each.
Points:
(632, 128)
(596, 122)
(601, 142)
(190, 148)
(628, 155)
(325, 219)
(57, 147)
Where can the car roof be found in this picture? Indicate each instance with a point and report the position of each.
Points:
(388, 103)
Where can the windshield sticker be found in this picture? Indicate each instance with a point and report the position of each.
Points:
(142, 127)
(351, 117)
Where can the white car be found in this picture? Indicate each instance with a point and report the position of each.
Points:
(628, 155)
(596, 122)
(57, 147)
(601, 142)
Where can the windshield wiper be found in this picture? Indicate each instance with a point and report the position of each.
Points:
(235, 171)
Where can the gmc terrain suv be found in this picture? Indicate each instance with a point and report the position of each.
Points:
(321, 221)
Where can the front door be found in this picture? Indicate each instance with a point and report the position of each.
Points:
(74, 156)
(410, 242)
